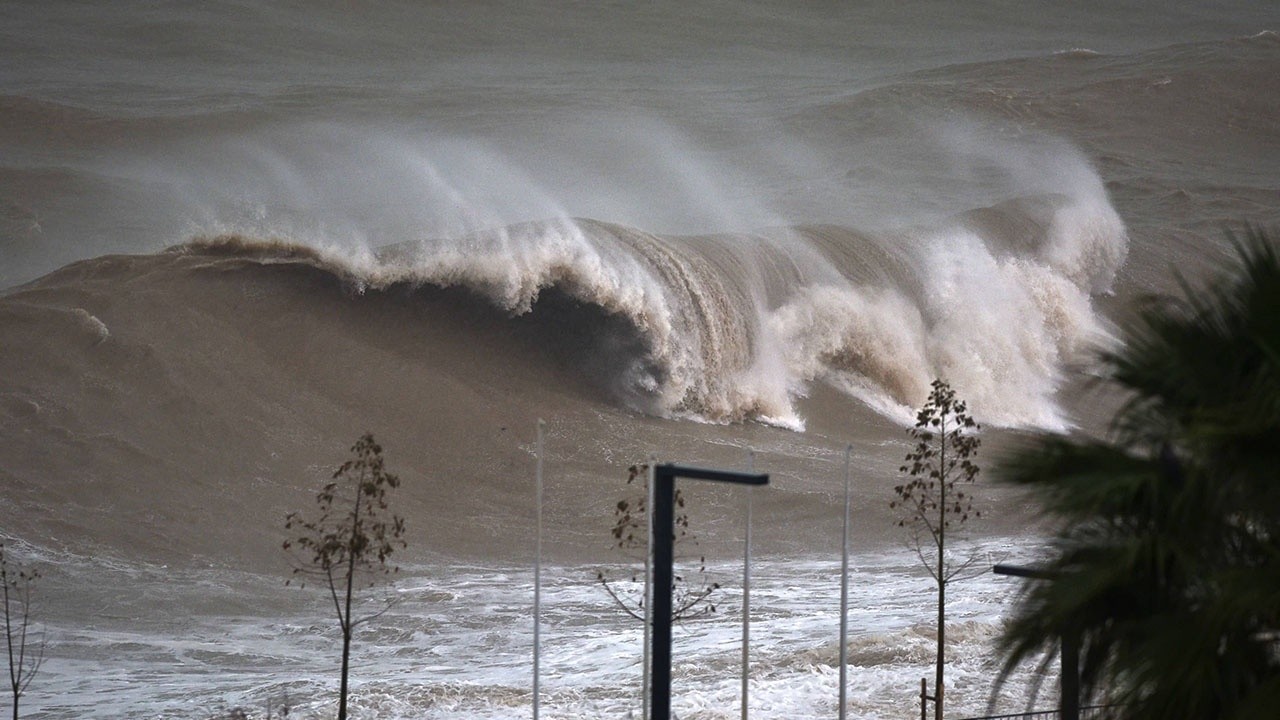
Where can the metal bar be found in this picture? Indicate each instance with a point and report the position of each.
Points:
(647, 661)
(537, 588)
(1086, 711)
(1069, 696)
(663, 513)
(1026, 572)
(746, 595)
(729, 476)
(844, 592)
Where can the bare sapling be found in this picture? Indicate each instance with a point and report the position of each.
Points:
(692, 591)
(346, 545)
(933, 501)
(24, 645)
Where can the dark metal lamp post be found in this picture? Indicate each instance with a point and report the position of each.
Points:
(1069, 695)
(664, 484)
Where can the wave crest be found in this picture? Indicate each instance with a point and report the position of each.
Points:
(734, 328)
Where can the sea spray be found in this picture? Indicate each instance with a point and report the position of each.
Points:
(730, 328)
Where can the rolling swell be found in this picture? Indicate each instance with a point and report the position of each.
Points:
(732, 328)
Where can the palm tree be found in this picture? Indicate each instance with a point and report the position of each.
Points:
(1167, 564)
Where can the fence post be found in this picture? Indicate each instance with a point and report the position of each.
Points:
(924, 697)
(537, 585)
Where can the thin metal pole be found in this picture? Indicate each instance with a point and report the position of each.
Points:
(844, 590)
(648, 585)
(1069, 696)
(746, 592)
(663, 513)
(537, 587)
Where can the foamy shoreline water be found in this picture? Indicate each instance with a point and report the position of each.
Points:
(457, 644)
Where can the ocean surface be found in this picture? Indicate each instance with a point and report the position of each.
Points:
(236, 235)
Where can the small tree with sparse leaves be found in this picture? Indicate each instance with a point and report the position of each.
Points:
(25, 647)
(691, 592)
(932, 500)
(349, 541)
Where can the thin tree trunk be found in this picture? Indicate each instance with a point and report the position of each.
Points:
(942, 638)
(342, 691)
(15, 670)
(347, 624)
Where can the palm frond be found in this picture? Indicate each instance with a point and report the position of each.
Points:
(1166, 564)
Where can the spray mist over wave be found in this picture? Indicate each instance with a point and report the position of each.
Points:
(735, 327)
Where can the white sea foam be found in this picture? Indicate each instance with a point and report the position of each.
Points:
(735, 327)
(93, 325)
(458, 644)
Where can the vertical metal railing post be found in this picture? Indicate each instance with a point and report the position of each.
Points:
(844, 592)
(537, 588)
(746, 595)
(647, 660)
(924, 700)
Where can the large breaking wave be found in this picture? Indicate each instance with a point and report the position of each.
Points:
(735, 327)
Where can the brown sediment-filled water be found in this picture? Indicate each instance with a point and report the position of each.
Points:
(236, 238)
